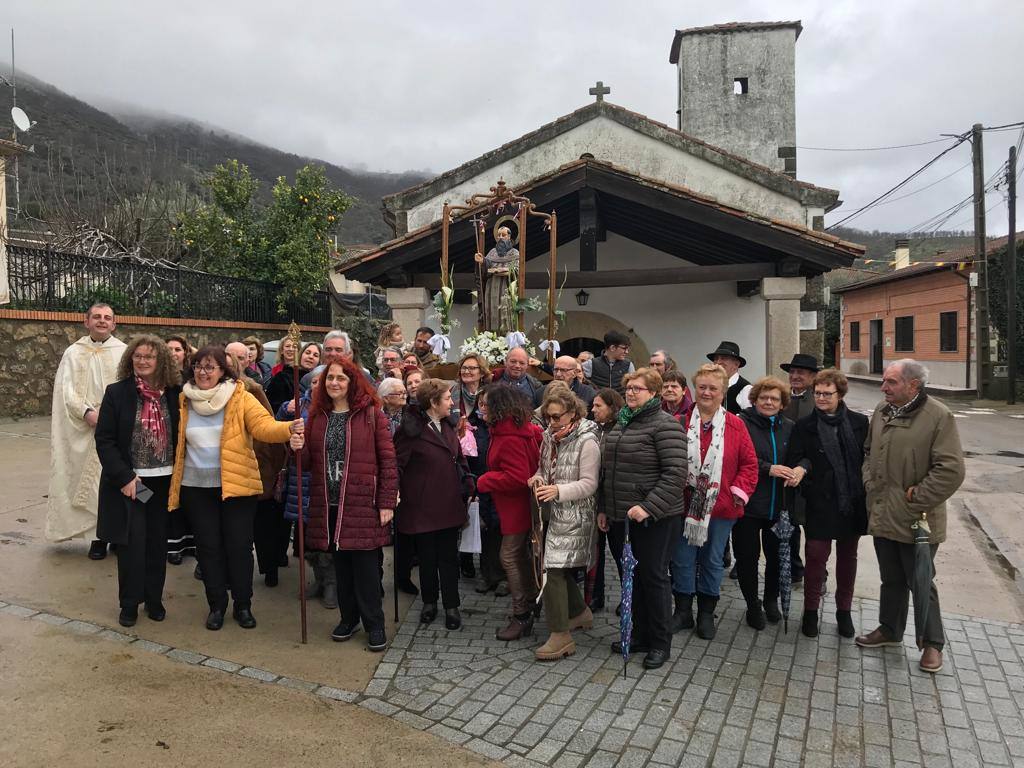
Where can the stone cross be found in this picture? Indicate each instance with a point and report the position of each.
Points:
(600, 90)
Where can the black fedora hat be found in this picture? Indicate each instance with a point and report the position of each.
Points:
(800, 360)
(730, 348)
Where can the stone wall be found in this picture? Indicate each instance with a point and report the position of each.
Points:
(31, 345)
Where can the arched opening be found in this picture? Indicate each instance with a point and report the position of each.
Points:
(573, 347)
(582, 327)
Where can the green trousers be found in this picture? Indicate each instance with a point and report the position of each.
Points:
(562, 599)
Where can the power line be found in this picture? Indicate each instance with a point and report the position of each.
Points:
(872, 149)
(959, 140)
(926, 186)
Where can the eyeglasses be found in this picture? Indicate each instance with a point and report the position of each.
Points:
(554, 416)
(825, 395)
(565, 370)
(634, 390)
(205, 368)
(143, 358)
(469, 368)
(620, 346)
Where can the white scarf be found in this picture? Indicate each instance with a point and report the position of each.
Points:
(207, 402)
(704, 478)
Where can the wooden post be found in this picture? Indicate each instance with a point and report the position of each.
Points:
(1011, 280)
(444, 245)
(295, 335)
(522, 261)
(552, 279)
(481, 275)
(981, 319)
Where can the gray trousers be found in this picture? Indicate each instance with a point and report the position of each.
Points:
(896, 567)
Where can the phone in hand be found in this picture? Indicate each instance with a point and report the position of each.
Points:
(142, 493)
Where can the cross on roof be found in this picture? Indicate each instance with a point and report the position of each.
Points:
(600, 90)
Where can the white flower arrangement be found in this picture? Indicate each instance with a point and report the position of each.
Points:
(489, 345)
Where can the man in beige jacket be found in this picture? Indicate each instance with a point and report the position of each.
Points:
(913, 462)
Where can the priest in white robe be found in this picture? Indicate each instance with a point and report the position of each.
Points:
(85, 370)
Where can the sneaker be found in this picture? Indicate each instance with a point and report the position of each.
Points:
(344, 631)
(377, 640)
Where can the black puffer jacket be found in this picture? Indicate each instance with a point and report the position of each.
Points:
(644, 463)
(771, 492)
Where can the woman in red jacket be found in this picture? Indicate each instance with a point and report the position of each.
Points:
(435, 484)
(353, 491)
(721, 476)
(512, 459)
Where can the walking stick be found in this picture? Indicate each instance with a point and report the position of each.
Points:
(295, 336)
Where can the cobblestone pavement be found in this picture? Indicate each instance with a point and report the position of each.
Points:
(747, 698)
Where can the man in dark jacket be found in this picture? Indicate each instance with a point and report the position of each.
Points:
(801, 403)
(737, 397)
(611, 365)
(565, 370)
(515, 375)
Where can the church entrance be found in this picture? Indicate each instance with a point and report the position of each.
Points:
(573, 347)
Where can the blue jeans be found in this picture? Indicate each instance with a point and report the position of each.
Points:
(685, 558)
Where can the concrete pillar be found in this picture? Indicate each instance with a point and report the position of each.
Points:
(409, 308)
(782, 319)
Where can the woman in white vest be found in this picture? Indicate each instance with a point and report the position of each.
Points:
(565, 484)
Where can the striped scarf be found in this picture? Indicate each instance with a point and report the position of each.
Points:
(152, 415)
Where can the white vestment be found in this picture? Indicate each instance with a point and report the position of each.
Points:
(85, 370)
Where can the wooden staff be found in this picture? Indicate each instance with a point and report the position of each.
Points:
(296, 337)
(522, 261)
(552, 276)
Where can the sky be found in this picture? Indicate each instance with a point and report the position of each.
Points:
(398, 86)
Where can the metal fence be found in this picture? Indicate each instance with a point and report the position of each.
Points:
(49, 280)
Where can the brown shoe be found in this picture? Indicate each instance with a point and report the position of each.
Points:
(931, 660)
(876, 638)
(517, 628)
(559, 645)
(584, 621)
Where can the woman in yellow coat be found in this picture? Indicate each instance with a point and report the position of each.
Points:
(216, 478)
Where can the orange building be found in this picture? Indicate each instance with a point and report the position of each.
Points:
(923, 310)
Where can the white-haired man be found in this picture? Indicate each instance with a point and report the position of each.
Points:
(913, 462)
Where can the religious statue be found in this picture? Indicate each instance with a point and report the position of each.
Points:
(501, 261)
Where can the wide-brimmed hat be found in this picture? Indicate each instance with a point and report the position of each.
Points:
(730, 348)
(800, 360)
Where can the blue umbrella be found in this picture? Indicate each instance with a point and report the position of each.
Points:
(626, 617)
(783, 530)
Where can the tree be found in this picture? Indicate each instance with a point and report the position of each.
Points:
(285, 242)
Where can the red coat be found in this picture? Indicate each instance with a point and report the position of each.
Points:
(512, 459)
(370, 482)
(739, 467)
(429, 464)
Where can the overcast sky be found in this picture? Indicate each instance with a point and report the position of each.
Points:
(387, 85)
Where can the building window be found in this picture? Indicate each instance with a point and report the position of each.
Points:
(739, 86)
(947, 332)
(855, 337)
(905, 334)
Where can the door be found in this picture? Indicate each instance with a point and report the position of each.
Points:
(876, 346)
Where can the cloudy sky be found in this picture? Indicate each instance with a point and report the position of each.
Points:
(388, 85)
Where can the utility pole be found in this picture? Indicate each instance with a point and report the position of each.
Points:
(981, 327)
(1011, 280)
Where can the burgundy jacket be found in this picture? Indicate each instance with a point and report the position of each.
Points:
(369, 485)
(428, 467)
(739, 467)
(512, 459)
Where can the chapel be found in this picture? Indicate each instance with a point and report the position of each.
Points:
(678, 235)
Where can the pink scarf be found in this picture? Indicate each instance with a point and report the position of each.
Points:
(152, 416)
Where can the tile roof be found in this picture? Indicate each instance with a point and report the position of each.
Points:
(940, 261)
(733, 26)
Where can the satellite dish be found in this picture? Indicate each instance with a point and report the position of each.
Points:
(21, 121)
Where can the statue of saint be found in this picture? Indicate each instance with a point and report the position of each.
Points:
(499, 315)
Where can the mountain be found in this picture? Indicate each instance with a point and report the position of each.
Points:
(83, 152)
(880, 246)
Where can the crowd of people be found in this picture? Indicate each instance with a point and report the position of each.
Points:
(165, 451)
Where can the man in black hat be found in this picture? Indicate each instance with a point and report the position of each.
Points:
(737, 397)
(801, 375)
(801, 403)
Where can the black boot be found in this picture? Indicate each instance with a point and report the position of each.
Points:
(682, 617)
(845, 622)
(809, 626)
(706, 616)
(755, 616)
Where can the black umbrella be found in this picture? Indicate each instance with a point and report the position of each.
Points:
(783, 530)
(921, 581)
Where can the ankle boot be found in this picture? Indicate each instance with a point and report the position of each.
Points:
(518, 627)
(809, 625)
(845, 622)
(682, 617)
(316, 589)
(330, 582)
(755, 616)
(706, 616)
(558, 645)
